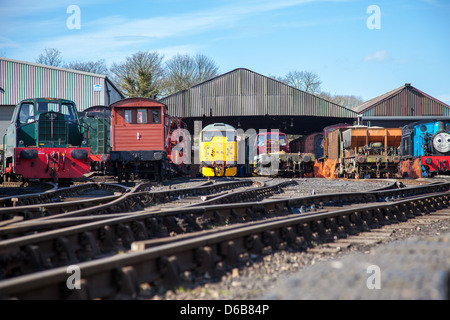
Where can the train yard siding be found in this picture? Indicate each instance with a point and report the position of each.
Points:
(413, 263)
(379, 263)
(292, 275)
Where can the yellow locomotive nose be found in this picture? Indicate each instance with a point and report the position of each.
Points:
(218, 150)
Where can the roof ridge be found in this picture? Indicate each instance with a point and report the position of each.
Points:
(39, 65)
(251, 71)
(367, 104)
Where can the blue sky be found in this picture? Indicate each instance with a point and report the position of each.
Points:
(271, 37)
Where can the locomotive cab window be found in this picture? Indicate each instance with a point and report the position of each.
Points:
(209, 135)
(68, 111)
(26, 113)
(141, 115)
(261, 141)
(47, 106)
(231, 136)
(283, 141)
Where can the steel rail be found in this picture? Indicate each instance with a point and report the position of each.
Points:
(247, 195)
(108, 204)
(19, 227)
(121, 275)
(50, 195)
(105, 206)
(73, 244)
(164, 196)
(36, 211)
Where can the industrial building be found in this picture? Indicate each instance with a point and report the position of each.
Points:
(21, 80)
(246, 99)
(242, 98)
(401, 106)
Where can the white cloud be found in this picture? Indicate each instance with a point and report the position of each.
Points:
(118, 35)
(381, 55)
(7, 43)
(110, 37)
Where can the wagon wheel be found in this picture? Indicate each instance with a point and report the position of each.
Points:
(357, 174)
(165, 172)
(336, 172)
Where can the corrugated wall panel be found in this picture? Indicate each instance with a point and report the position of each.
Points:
(196, 103)
(369, 113)
(22, 80)
(176, 102)
(311, 106)
(407, 102)
(244, 92)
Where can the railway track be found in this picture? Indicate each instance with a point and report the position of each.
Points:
(55, 201)
(56, 194)
(38, 217)
(31, 218)
(210, 239)
(46, 246)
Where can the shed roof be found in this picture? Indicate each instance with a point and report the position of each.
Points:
(388, 95)
(21, 80)
(242, 92)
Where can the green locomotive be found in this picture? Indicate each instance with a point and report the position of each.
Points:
(45, 142)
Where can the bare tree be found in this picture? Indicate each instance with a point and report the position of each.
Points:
(312, 82)
(281, 79)
(98, 67)
(180, 73)
(50, 57)
(184, 71)
(348, 101)
(294, 79)
(140, 75)
(303, 80)
(206, 68)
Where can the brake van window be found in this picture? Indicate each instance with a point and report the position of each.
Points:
(142, 116)
(156, 118)
(128, 115)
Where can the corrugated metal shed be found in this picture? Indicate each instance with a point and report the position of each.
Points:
(406, 101)
(21, 80)
(242, 92)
